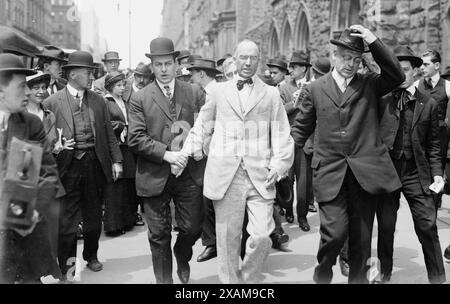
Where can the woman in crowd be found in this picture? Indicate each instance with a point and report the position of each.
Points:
(121, 201)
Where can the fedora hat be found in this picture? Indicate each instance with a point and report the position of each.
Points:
(300, 58)
(278, 63)
(110, 56)
(16, 43)
(203, 64)
(13, 63)
(162, 46)
(404, 52)
(38, 78)
(143, 70)
(80, 59)
(183, 55)
(322, 66)
(52, 52)
(348, 41)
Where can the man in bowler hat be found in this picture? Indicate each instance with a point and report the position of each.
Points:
(410, 130)
(82, 115)
(160, 116)
(351, 164)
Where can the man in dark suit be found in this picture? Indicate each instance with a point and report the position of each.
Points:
(351, 164)
(82, 115)
(51, 60)
(160, 117)
(25, 252)
(410, 130)
(142, 77)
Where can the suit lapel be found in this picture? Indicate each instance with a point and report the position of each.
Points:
(351, 90)
(258, 92)
(91, 104)
(178, 100)
(233, 98)
(160, 99)
(66, 111)
(329, 88)
(418, 109)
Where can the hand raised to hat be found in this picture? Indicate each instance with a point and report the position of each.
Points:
(364, 33)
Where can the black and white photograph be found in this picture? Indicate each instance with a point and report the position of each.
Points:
(201, 144)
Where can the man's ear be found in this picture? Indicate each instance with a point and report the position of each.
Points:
(437, 66)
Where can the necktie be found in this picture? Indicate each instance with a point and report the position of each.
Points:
(79, 99)
(168, 94)
(428, 83)
(345, 85)
(402, 97)
(240, 84)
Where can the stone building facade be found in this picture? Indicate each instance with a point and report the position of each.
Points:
(213, 27)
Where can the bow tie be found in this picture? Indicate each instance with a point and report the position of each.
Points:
(241, 83)
(402, 96)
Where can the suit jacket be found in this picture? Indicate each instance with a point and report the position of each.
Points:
(287, 91)
(424, 136)
(106, 145)
(256, 135)
(152, 132)
(128, 91)
(348, 132)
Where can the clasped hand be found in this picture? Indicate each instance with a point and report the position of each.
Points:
(177, 160)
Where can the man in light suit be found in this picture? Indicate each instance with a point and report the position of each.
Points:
(350, 165)
(160, 116)
(250, 149)
(95, 160)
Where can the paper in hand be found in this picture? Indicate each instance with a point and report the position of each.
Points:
(437, 187)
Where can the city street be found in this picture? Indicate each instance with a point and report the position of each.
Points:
(127, 259)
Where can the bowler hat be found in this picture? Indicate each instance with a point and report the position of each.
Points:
(404, 52)
(52, 52)
(113, 78)
(203, 64)
(13, 63)
(39, 77)
(322, 66)
(110, 56)
(446, 74)
(348, 41)
(183, 54)
(15, 43)
(300, 58)
(80, 59)
(162, 46)
(278, 63)
(143, 70)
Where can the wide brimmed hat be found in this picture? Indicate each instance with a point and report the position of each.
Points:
(403, 52)
(183, 55)
(350, 42)
(204, 64)
(52, 52)
(13, 63)
(15, 43)
(321, 66)
(143, 70)
(80, 59)
(38, 78)
(113, 78)
(300, 58)
(111, 56)
(162, 46)
(278, 63)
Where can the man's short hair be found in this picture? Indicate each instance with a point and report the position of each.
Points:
(42, 61)
(435, 56)
(6, 77)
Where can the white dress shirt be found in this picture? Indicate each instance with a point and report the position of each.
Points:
(245, 93)
(340, 81)
(75, 93)
(171, 86)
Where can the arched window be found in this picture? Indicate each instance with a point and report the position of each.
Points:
(286, 38)
(274, 46)
(301, 31)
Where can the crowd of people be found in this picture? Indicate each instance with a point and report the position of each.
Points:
(213, 149)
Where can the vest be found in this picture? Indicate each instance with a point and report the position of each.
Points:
(83, 134)
(439, 94)
(403, 140)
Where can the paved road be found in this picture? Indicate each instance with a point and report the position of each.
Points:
(127, 258)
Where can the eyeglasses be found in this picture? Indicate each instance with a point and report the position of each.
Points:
(247, 57)
(348, 58)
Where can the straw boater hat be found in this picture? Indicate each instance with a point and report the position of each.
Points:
(111, 56)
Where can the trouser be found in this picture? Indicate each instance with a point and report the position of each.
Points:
(350, 213)
(302, 171)
(188, 200)
(209, 224)
(424, 215)
(84, 184)
(230, 213)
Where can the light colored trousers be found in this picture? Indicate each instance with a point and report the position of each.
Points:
(230, 212)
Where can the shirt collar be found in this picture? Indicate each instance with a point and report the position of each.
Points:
(339, 79)
(171, 86)
(412, 90)
(74, 92)
(301, 81)
(135, 88)
(435, 79)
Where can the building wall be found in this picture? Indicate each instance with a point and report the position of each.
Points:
(174, 22)
(66, 31)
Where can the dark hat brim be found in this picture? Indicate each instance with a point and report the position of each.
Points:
(277, 66)
(415, 61)
(151, 55)
(302, 63)
(344, 45)
(112, 59)
(52, 57)
(68, 66)
(143, 74)
(26, 72)
(194, 67)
